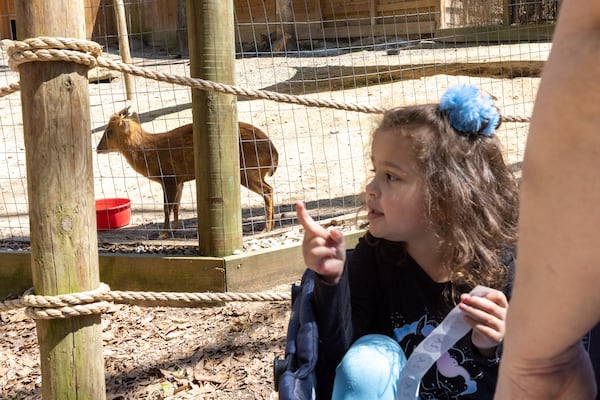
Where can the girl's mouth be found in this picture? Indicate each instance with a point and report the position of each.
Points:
(373, 214)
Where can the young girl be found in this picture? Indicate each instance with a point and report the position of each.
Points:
(442, 212)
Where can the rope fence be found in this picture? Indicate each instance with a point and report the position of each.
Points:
(43, 49)
(90, 53)
(97, 301)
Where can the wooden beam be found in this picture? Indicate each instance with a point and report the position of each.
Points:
(391, 30)
(440, 18)
(404, 7)
(15, 273)
(163, 274)
(316, 30)
(497, 34)
(127, 273)
(60, 188)
(250, 272)
(216, 137)
(124, 45)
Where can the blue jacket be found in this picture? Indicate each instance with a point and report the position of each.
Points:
(298, 380)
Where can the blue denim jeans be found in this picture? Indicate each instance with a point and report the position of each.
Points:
(369, 370)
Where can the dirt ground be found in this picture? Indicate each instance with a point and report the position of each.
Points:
(226, 351)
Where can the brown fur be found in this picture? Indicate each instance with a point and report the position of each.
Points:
(168, 158)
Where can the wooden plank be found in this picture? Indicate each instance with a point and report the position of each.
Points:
(497, 34)
(104, 29)
(403, 7)
(440, 18)
(15, 273)
(264, 269)
(7, 13)
(307, 11)
(372, 12)
(258, 11)
(410, 29)
(424, 23)
(505, 14)
(128, 273)
(263, 11)
(163, 274)
(347, 10)
(92, 9)
(249, 272)
(303, 30)
(316, 30)
(159, 22)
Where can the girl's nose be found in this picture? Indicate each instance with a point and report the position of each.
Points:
(371, 188)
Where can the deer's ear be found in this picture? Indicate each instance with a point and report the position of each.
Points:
(134, 116)
(124, 112)
(124, 126)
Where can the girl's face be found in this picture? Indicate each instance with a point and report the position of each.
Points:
(396, 194)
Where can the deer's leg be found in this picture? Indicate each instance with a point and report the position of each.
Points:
(254, 181)
(268, 198)
(166, 226)
(170, 194)
(175, 205)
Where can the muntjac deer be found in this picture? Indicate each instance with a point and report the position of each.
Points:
(168, 158)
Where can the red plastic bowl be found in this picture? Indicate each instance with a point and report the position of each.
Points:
(112, 213)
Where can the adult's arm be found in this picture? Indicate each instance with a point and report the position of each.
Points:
(556, 296)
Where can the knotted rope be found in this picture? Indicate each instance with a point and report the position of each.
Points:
(90, 53)
(97, 301)
(66, 305)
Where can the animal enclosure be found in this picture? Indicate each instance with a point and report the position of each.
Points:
(322, 151)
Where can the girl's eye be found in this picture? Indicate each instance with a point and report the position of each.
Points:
(391, 177)
(388, 177)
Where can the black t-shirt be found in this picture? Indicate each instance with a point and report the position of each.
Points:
(383, 290)
(591, 342)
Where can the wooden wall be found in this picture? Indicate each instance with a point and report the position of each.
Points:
(157, 20)
(333, 19)
(8, 14)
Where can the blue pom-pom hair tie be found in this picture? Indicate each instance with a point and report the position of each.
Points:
(469, 111)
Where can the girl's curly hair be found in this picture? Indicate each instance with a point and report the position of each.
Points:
(471, 194)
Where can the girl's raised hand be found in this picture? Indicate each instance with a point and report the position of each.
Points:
(324, 251)
(487, 316)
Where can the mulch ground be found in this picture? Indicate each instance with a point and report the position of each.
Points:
(219, 352)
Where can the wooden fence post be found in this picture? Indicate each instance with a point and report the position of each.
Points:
(216, 139)
(124, 45)
(64, 245)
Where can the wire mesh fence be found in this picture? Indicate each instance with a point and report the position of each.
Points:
(377, 53)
